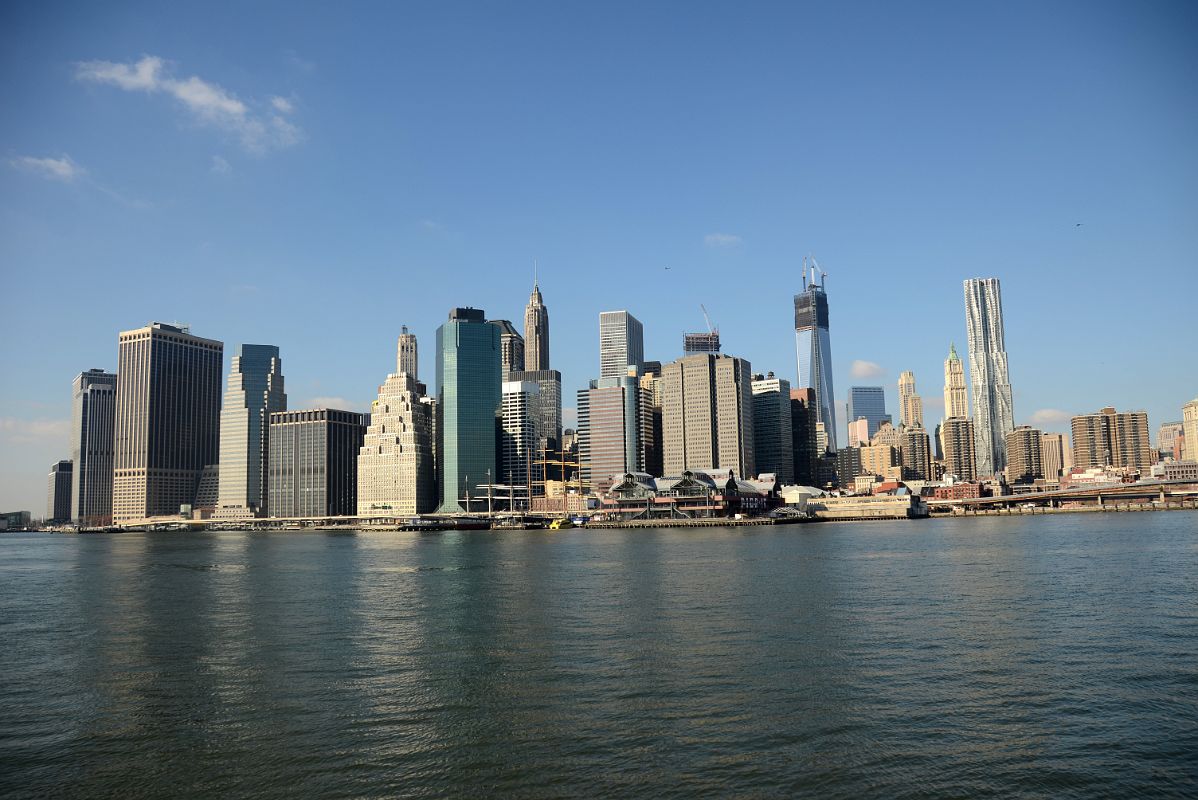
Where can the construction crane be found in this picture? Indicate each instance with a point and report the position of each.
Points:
(710, 329)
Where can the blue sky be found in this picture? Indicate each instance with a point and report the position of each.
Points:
(317, 177)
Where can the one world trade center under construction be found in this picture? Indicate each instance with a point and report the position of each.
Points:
(815, 349)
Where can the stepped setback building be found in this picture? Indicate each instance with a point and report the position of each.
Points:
(395, 474)
(167, 419)
(993, 411)
(254, 392)
(1189, 424)
(93, 409)
(814, 347)
(956, 402)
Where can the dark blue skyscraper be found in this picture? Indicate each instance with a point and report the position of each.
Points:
(868, 402)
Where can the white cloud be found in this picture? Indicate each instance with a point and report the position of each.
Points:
(282, 105)
(866, 369)
(208, 102)
(31, 430)
(721, 240)
(1050, 416)
(339, 403)
(220, 166)
(59, 169)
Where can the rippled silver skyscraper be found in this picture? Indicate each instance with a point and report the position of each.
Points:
(993, 413)
(815, 350)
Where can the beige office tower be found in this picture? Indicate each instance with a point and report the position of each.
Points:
(956, 398)
(877, 459)
(1112, 439)
(395, 463)
(1025, 455)
(707, 414)
(536, 332)
(1056, 455)
(910, 404)
(167, 420)
(956, 434)
(407, 354)
(1189, 423)
(887, 435)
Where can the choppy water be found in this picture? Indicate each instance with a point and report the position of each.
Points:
(1045, 656)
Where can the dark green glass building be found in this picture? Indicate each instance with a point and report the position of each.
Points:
(468, 404)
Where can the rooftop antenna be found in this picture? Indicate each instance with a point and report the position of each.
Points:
(534, 273)
(804, 273)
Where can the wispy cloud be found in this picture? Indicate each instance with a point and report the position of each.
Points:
(282, 105)
(866, 369)
(34, 430)
(209, 103)
(220, 166)
(1050, 416)
(721, 240)
(58, 169)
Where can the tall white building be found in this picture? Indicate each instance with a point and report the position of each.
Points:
(993, 412)
(395, 463)
(956, 397)
(621, 344)
(910, 404)
(407, 355)
(1189, 424)
(520, 435)
(254, 390)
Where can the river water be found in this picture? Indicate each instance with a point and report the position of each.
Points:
(1049, 656)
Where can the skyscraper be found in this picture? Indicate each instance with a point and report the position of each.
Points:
(254, 392)
(621, 344)
(519, 436)
(910, 404)
(547, 406)
(314, 462)
(814, 349)
(868, 402)
(701, 343)
(93, 406)
(802, 429)
(956, 403)
(407, 354)
(536, 332)
(957, 436)
(773, 434)
(395, 460)
(58, 492)
(993, 412)
(468, 400)
(916, 453)
(611, 426)
(511, 348)
(707, 414)
(1025, 455)
(167, 419)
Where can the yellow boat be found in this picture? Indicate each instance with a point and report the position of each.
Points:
(561, 524)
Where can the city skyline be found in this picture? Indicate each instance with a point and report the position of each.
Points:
(951, 195)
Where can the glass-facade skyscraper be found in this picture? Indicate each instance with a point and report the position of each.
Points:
(93, 409)
(993, 412)
(469, 387)
(814, 348)
(868, 402)
(621, 344)
(253, 393)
